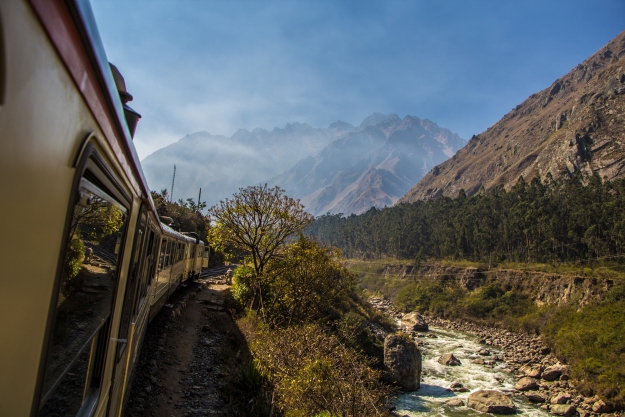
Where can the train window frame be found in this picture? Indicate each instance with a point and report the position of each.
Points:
(3, 67)
(92, 173)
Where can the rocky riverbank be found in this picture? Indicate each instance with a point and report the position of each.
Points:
(540, 377)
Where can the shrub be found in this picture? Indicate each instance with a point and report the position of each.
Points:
(312, 373)
(241, 284)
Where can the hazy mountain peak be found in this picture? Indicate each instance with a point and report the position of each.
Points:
(341, 125)
(378, 117)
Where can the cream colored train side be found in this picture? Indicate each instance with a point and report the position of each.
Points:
(85, 259)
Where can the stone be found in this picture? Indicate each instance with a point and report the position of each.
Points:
(601, 407)
(454, 402)
(402, 360)
(536, 397)
(553, 372)
(483, 352)
(449, 359)
(532, 371)
(561, 398)
(456, 384)
(562, 409)
(526, 384)
(491, 401)
(414, 322)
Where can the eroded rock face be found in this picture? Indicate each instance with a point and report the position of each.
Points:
(491, 401)
(414, 322)
(402, 360)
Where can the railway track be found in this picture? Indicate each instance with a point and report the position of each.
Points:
(216, 273)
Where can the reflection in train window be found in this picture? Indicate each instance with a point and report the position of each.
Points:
(83, 307)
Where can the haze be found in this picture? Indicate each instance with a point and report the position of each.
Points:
(221, 66)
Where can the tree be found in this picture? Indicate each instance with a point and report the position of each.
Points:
(259, 220)
(307, 278)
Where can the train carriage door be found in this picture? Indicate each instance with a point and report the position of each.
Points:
(126, 331)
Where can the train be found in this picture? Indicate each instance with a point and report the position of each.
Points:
(86, 260)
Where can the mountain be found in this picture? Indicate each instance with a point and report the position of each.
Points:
(373, 165)
(220, 165)
(576, 124)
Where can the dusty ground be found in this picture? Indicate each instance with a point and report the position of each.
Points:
(192, 353)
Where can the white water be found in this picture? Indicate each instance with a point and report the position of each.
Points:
(429, 399)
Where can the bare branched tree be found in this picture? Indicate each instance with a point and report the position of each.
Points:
(259, 220)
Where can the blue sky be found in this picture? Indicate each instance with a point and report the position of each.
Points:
(219, 66)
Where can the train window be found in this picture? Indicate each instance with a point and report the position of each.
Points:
(168, 253)
(74, 368)
(163, 254)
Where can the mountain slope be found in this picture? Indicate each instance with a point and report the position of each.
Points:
(577, 124)
(373, 166)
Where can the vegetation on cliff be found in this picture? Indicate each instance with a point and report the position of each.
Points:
(304, 323)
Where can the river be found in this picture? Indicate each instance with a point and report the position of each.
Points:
(436, 379)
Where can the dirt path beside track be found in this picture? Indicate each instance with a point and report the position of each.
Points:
(191, 351)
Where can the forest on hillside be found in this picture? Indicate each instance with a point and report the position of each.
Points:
(569, 219)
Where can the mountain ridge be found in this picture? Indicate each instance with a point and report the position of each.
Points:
(371, 167)
(573, 125)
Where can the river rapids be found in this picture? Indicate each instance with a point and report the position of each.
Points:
(436, 378)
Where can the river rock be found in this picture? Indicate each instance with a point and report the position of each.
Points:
(536, 397)
(414, 322)
(601, 407)
(491, 401)
(483, 352)
(526, 384)
(449, 359)
(454, 402)
(402, 360)
(532, 371)
(561, 398)
(562, 409)
(553, 372)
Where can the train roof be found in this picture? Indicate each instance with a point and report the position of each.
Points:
(168, 231)
(54, 18)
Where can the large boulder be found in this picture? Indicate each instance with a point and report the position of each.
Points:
(536, 397)
(449, 359)
(414, 322)
(491, 401)
(561, 398)
(562, 409)
(532, 371)
(402, 360)
(554, 372)
(526, 384)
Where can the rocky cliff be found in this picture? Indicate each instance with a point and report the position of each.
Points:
(576, 124)
(543, 287)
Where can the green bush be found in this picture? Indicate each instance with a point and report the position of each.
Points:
(241, 284)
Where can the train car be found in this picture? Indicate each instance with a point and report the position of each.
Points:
(82, 244)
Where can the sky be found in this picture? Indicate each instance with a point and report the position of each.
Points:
(218, 66)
